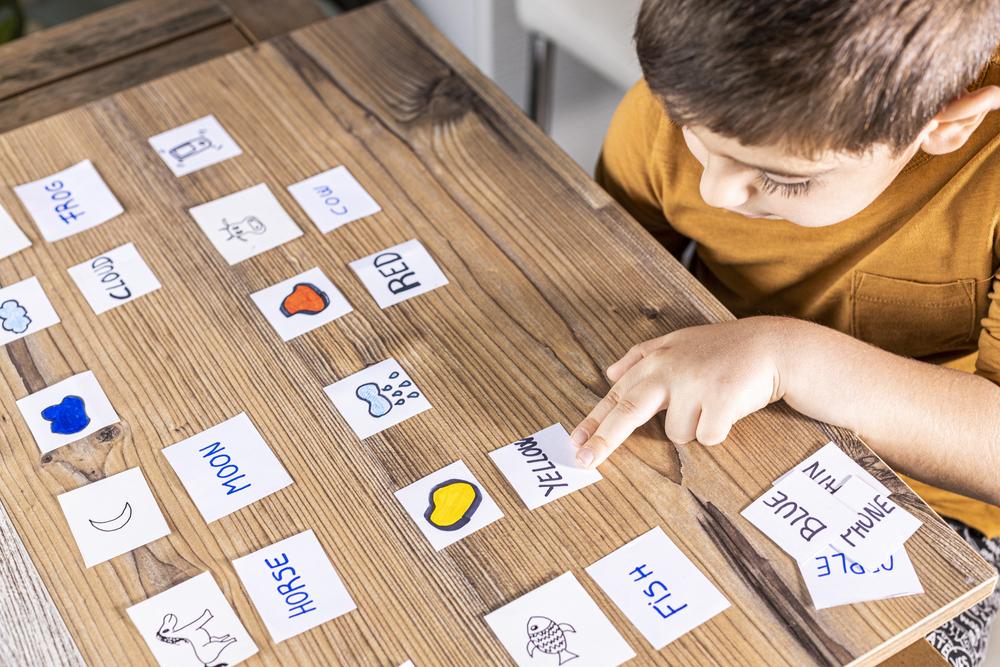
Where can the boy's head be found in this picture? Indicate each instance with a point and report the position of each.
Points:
(806, 110)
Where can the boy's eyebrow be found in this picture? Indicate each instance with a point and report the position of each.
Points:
(778, 172)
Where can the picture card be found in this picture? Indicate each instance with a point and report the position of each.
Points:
(67, 411)
(116, 277)
(448, 505)
(377, 397)
(557, 623)
(880, 526)
(830, 467)
(293, 585)
(112, 516)
(399, 273)
(301, 303)
(69, 201)
(24, 310)
(12, 239)
(834, 579)
(333, 198)
(245, 223)
(192, 624)
(195, 145)
(542, 467)
(658, 588)
(227, 467)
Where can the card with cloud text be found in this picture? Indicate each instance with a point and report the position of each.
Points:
(114, 278)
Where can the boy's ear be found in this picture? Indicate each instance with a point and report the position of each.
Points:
(953, 125)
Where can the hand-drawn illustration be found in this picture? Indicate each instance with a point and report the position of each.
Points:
(549, 637)
(116, 523)
(239, 230)
(207, 648)
(14, 317)
(68, 416)
(379, 405)
(305, 299)
(194, 146)
(451, 504)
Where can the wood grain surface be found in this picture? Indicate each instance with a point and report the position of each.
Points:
(550, 282)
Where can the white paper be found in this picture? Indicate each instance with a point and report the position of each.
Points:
(543, 467)
(880, 526)
(227, 467)
(293, 585)
(834, 579)
(12, 239)
(245, 223)
(829, 467)
(301, 303)
(195, 145)
(192, 624)
(24, 310)
(377, 397)
(112, 516)
(556, 624)
(399, 273)
(67, 411)
(116, 277)
(448, 505)
(69, 201)
(333, 198)
(658, 588)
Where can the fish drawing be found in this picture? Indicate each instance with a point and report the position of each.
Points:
(207, 648)
(549, 637)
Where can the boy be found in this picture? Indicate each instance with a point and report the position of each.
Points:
(837, 163)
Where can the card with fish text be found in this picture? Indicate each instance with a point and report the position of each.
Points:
(24, 309)
(556, 624)
(834, 579)
(448, 505)
(399, 273)
(67, 411)
(192, 624)
(112, 516)
(69, 201)
(116, 277)
(195, 145)
(377, 397)
(12, 239)
(333, 198)
(301, 303)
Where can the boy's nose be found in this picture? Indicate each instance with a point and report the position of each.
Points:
(724, 184)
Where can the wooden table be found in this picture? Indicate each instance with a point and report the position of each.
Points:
(550, 282)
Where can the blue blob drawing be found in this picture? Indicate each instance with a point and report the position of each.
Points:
(68, 416)
(381, 399)
(14, 317)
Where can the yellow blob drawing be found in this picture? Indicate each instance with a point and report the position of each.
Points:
(451, 504)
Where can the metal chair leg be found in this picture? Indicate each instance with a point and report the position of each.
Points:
(540, 91)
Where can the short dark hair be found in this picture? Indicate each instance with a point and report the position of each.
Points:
(814, 75)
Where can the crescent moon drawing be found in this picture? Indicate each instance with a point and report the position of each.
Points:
(117, 523)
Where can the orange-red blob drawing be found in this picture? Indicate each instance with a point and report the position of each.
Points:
(305, 299)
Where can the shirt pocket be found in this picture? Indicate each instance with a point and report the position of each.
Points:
(914, 319)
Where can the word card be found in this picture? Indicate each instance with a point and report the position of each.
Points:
(245, 223)
(834, 579)
(112, 516)
(376, 398)
(542, 467)
(195, 145)
(448, 505)
(333, 198)
(227, 467)
(116, 277)
(192, 624)
(557, 623)
(301, 303)
(830, 467)
(662, 592)
(399, 273)
(67, 411)
(24, 309)
(879, 527)
(12, 239)
(70, 201)
(293, 585)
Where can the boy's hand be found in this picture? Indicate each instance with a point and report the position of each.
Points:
(705, 377)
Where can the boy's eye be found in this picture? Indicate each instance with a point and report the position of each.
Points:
(771, 186)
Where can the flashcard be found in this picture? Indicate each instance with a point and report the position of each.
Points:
(399, 273)
(834, 579)
(12, 239)
(245, 223)
(333, 198)
(293, 585)
(301, 304)
(556, 623)
(116, 277)
(377, 397)
(67, 411)
(195, 145)
(448, 505)
(829, 467)
(662, 592)
(227, 467)
(879, 527)
(69, 201)
(192, 624)
(24, 309)
(542, 467)
(112, 516)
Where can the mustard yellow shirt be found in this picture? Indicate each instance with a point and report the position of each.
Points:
(915, 273)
